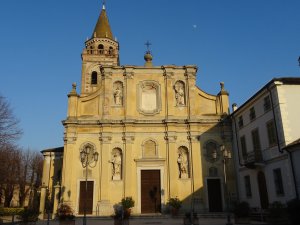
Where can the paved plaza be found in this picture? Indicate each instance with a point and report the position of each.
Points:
(145, 220)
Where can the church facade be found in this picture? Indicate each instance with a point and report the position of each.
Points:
(147, 132)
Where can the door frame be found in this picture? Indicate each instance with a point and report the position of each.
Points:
(222, 192)
(78, 195)
(162, 190)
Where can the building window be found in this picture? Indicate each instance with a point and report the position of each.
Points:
(252, 114)
(271, 133)
(149, 149)
(255, 140)
(241, 122)
(267, 103)
(213, 171)
(278, 181)
(101, 49)
(248, 186)
(243, 147)
(94, 78)
(110, 51)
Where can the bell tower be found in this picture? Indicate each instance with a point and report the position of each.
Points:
(101, 49)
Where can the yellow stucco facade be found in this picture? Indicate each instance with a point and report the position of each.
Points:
(147, 124)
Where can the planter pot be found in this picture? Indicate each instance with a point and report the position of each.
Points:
(127, 213)
(174, 211)
(242, 220)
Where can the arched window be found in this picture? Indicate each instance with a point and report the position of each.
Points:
(212, 153)
(101, 49)
(110, 50)
(94, 77)
(91, 49)
(213, 171)
(149, 149)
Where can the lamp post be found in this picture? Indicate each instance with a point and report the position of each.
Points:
(226, 157)
(299, 60)
(88, 157)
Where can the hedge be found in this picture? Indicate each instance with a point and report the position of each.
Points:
(10, 211)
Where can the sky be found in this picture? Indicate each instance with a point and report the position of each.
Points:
(243, 43)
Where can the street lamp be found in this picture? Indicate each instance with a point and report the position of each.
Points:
(88, 157)
(226, 157)
(299, 60)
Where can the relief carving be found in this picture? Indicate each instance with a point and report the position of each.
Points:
(180, 93)
(118, 93)
(183, 163)
(116, 162)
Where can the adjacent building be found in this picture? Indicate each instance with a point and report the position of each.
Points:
(264, 129)
(142, 131)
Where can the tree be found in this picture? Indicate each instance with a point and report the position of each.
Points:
(9, 125)
(10, 158)
(20, 172)
(30, 175)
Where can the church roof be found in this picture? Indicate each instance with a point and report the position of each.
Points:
(102, 28)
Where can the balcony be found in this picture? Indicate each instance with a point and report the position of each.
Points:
(254, 159)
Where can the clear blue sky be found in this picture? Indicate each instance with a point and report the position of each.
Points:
(244, 43)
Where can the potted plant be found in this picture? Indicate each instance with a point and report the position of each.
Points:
(65, 214)
(242, 213)
(127, 203)
(175, 205)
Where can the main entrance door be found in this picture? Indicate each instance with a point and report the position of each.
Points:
(263, 191)
(86, 196)
(214, 195)
(150, 193)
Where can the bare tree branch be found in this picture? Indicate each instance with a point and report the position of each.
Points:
(9, 125)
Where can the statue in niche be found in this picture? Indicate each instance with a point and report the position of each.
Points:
(179, 93)
(116, 166)
(182, 164)
(118, 96)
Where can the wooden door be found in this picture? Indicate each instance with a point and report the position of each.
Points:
(150, 193)
(214, 195)
(263, 192)
(86, 197)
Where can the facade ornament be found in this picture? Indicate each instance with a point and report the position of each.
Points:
(182, 164)
(118, 93)
(116, 162)
(180, 93)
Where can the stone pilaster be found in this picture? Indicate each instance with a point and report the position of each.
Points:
(56, 199)
(42, 202)
(129, 170)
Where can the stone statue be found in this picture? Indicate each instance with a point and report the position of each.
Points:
(182, 164)
(118, 96)
(117, 164)
(179, 95)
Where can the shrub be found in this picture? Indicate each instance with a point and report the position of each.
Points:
(29, 215)
(10, 211)
(127, 202)
(65, 212)
(175, 203)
